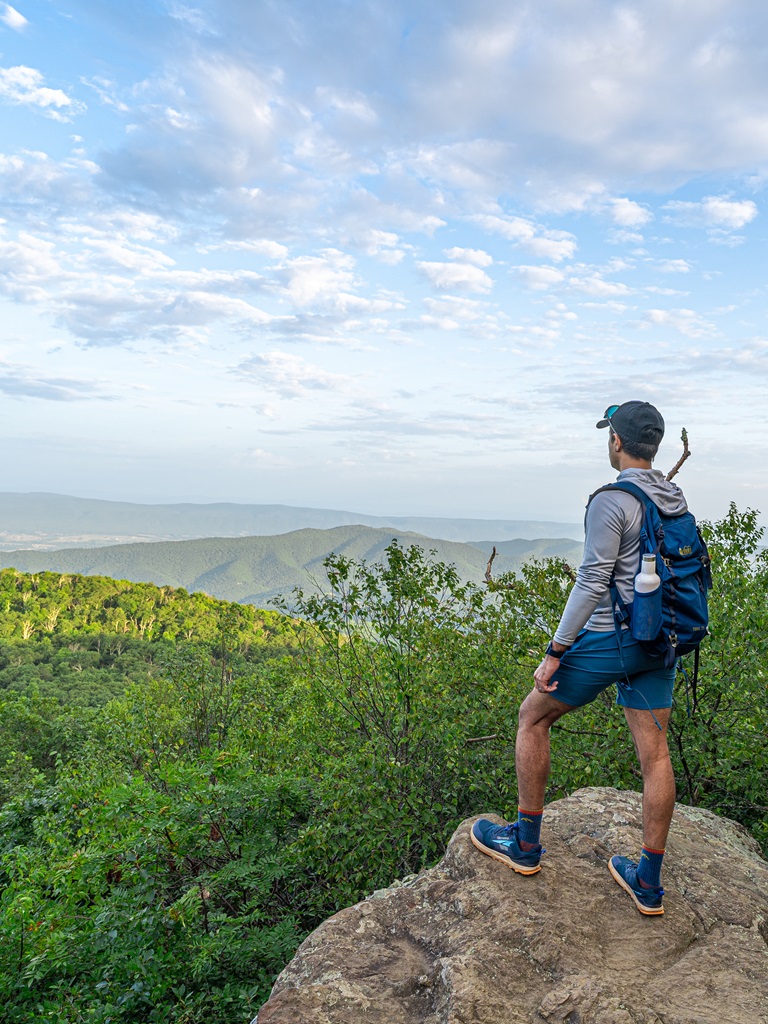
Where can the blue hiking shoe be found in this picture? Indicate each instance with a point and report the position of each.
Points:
(647, 901)
(501, 843)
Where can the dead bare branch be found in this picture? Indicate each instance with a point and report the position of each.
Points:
(488, 573)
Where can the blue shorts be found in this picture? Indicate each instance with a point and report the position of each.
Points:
(593, 664)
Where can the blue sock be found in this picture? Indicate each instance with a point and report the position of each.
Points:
(529, 825)
(649, 868)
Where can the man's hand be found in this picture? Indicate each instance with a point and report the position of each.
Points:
(544, 673)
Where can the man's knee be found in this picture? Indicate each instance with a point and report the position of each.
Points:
(529, 714)
(649, 734)
(540, 711)
(654, 757)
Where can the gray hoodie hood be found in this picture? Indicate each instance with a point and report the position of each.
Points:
(667, 495)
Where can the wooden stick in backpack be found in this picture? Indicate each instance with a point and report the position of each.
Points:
(686, 455)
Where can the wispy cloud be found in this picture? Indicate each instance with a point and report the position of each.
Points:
(687, 321)
(25, 383)
(24, 86)
(541, 242)
(713, 212)
(290, 376)
(477, 257)
(12, 18)
(539, 278)
(462, 277)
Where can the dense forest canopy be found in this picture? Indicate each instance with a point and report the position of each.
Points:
(188, 786)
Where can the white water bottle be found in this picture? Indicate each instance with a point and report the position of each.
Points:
(647, 580)
(646, 616)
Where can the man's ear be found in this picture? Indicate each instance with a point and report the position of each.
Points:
(616, 442)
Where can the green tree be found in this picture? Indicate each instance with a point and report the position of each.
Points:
(720, 744)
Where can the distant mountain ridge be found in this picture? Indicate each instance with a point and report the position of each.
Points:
(254, 570)
(45, 521)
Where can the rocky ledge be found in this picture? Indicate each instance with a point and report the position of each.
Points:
(471, 942)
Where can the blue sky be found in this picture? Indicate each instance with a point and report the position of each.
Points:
(389, 257)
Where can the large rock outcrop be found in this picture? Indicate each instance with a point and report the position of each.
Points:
(471, 942)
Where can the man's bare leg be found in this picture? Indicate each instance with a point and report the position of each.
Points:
(538, 712)
(505, 843)
(658, 778)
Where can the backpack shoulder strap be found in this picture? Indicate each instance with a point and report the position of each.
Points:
(630, 488)
(648, 504)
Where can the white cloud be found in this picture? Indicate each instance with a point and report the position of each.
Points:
(34, 182)
(751, 358)
(196, 309)
(291, 376)
(674, 266)
(327, 282)
(567, 193)
(258, 246)
(458, 312)
(226, 282)
(106, 90)
(24, 382)
(713, 212)
(613, 305)
(11, 17)
(457, 306)
(539, 278)
(653, 289)
(593, 284)
(456, 277)
(191, 16)
(624, 238)
(121, 253)
(351, 104)
(514, 229)
(629, 214)
(551, 245)
(474, 165)
(29, 267)
(477, 257)
(686, 321)
(540, 242)
(24, 86)
(317, 280)
(384, 246)
(111, 311)
(262, 457)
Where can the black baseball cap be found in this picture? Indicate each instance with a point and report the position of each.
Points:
(634, 421)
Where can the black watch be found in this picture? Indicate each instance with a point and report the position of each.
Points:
(552, 653)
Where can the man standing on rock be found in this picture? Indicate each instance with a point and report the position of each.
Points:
(583, 659)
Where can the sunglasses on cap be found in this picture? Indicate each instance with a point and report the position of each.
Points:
(606, 420)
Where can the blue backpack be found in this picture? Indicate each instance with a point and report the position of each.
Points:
(683, 565)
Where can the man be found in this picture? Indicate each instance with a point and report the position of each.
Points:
(583, 658)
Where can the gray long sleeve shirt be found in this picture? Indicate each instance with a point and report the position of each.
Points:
(612, 546)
